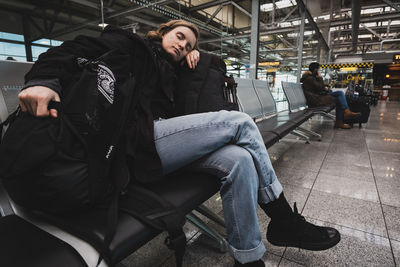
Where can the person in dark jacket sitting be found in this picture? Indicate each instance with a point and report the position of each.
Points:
(318, 94)
(227, 144)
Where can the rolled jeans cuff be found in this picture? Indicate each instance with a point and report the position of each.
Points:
(248, 255)
(270, 193)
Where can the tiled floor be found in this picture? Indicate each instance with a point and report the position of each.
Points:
(350, 180)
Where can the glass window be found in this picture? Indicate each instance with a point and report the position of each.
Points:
(12, 36)
(42, 42)
(37, 50)
(17, 51)
(48, 42)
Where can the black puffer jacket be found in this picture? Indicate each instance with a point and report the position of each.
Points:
(153, 71)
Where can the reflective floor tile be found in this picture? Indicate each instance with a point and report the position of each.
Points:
(386, 164)
(354, 159)
(347, 169)
(396, 251)
(392, 217)
(347, 186)
(297, 177)
(389, 190)
(356, 248)
(383, 142)
(296, 194)
(304, 156)
(151, 254)
(199, 254)
(350, 212)
(287, 263)
(351, 138)
(346, 149)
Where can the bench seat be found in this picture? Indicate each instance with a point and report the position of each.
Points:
(23, 244)
(184, 190)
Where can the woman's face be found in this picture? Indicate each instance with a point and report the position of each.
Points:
(178, 42)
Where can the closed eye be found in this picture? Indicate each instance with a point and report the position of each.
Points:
(181, 36)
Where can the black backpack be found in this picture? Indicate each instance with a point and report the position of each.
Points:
(64, 164)
(206, 88)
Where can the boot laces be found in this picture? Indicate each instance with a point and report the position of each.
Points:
(303, 226)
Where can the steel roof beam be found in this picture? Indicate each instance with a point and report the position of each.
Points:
(241, 8)
(390, 3)
(311, 21)
(86, 23)
(214, 14)
(207, 5)
(372, 31)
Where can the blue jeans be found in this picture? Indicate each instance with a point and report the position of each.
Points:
(229, 145)
(341, 104)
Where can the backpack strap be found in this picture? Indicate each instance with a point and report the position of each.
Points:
(9, 120)
(119, 173)
(176, 240)
(153, 210)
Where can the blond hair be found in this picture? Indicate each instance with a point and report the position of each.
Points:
(170, 25)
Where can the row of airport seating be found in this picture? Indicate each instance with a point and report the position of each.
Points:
(38, 239)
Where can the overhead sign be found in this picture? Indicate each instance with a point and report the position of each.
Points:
(269, 63)
(348, 65)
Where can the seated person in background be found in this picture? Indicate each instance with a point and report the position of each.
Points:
(227, 144)
(318, 94)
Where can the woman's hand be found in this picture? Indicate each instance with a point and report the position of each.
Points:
(192, 58)
(35, 100)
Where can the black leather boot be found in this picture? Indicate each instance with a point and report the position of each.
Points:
(258, 263)
(278, 209)
(297, 232)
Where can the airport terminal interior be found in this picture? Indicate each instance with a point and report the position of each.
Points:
(348, 179)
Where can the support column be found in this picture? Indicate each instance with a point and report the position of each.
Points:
(255, 22)
(300, 43)
(27, 38)
(319, 52)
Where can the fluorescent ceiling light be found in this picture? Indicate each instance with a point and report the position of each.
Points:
(364, 36)
(279, 4)
(371, 10)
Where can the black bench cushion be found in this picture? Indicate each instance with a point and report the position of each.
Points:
(326, 109)
(280, 128)
(297, 117)
(23, 244)
(185, 190)
(284, 122)
(269, 138)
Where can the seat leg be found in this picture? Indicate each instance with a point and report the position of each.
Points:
(301, 135)
(208, 231)
(202, 209)
(5, 205)
(307, 131)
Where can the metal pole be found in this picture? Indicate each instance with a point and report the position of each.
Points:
(328, 60)
(102, 13)
(27, 37)
(300, 43)
(255, 10)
